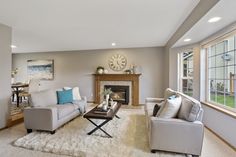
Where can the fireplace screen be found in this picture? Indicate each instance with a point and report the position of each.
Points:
(119, 93)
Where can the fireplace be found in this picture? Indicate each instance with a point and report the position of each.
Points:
(119, 93)
(131, 80)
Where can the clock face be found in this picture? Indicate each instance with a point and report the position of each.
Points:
(117, 62)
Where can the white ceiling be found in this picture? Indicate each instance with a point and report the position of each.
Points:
(202, 29)
(58, 25)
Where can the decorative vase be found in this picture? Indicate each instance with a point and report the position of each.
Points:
(107, 99)
(104, 107)
(100, 71)
(135, 69)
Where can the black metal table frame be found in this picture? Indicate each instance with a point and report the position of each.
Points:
(99, 126)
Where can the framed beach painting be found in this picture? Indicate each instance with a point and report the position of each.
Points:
(41, 69)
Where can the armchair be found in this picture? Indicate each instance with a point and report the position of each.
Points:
(174, 134)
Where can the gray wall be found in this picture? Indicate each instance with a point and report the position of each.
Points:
(76, 68)
(5, 70)
(221, 124)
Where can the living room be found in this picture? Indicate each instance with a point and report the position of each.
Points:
(147, 46)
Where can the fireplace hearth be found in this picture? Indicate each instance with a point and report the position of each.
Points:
(119, 93)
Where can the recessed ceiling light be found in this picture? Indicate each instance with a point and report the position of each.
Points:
(13, 46)
(214, 19)
(188, 39)
(113, 44)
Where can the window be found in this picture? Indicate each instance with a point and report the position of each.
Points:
(221, 72)
(186, 71)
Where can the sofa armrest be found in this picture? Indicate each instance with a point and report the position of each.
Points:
(154, 100)
(176, 135)
(41, 118)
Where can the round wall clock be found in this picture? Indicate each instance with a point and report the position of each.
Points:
(117, 62)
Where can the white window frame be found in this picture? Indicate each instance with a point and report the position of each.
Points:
(207, 85)
(181, 76)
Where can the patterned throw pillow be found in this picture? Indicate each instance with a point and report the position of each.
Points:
(189, 110)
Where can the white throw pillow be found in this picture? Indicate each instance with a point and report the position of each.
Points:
(171, 108)
(75, 91)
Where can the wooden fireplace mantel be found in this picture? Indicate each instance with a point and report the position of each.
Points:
(134, 78)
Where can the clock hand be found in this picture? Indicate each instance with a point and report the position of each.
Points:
(117, 62)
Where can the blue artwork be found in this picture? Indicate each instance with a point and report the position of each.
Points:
(40, 69)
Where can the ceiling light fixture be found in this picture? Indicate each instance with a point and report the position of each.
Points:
(13, 46)
(188, 39)
(214, 19)
(113, 44)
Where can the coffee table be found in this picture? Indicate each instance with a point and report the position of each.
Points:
(92, 114)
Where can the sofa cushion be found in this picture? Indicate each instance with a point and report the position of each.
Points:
(75, 91)
(170, 108)
(65, 96)
(66, 109)
(43, 98)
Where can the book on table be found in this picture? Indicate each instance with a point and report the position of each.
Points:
(101, 111)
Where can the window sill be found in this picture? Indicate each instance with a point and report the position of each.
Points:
(221, 109)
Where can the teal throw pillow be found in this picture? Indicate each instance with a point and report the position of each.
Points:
(64, 96)
(172, 97)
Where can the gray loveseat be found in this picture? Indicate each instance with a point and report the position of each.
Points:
(45, 114)
(174, 134)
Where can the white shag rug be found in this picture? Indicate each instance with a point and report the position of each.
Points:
(129, 138)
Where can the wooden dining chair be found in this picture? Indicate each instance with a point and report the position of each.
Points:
(14, 93)
(34, 86)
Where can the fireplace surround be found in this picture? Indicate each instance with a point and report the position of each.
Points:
(132, 78)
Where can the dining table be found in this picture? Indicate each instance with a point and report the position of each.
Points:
(16, 87)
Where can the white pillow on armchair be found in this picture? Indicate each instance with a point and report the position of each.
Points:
(170, 108)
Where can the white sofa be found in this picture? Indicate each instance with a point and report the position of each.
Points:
(174, 134)
(45, 114)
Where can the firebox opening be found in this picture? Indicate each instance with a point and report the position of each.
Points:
(119, 93)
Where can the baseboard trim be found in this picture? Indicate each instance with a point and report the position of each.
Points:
(231, 146)
(3, 128)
